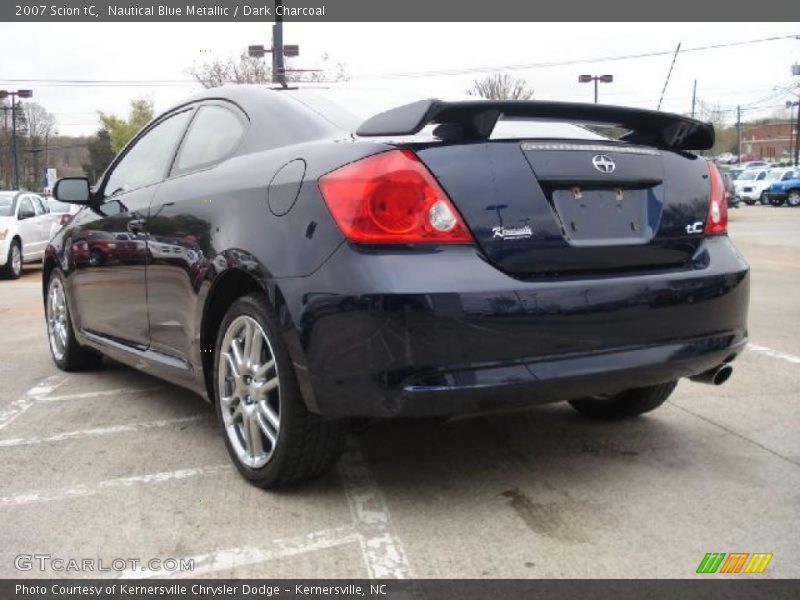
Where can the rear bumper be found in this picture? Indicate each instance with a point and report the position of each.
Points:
(442, 332)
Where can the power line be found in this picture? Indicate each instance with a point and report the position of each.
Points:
(401, 74)
(541, 65)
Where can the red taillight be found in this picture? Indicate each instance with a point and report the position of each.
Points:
(391, 198)
(717, 216)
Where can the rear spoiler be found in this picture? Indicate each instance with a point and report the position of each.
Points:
(475, 120)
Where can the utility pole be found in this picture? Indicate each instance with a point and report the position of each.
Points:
(22, 94)
(694, 96)
(739, 134)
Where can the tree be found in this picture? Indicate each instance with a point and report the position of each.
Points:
(247, 69)
(501, 86)
(725, 136)
(100, 154)
(121, 130)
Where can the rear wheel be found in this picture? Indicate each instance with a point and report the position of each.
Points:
(623, 405)
(749, 201)
(776, 201)
(764, 199)
(793, 199)
(13, 267)
(67, 353)
(271, 437)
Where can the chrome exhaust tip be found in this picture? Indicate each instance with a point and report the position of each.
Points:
(716, 376)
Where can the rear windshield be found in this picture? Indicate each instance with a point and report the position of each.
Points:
(6, 205)
(748, 176)
(56, 206)
(348, 108)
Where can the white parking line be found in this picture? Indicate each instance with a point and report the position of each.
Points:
(120, 482)
(36, 393)
(791, 358)
(101, 393)
(383, 553)
(223, 560)
(70, 435)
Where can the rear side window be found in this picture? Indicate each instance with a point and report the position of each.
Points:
(213, 135)
(40, 207)
(148, 160)
(25, 205)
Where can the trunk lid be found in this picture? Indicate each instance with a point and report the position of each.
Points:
(544, 207)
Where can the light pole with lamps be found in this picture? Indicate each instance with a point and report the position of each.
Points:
(14, 95)
(595, 78)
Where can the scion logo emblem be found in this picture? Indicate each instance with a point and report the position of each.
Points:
(604, 163)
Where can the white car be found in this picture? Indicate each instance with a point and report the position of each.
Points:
(750, 184)
(755, 164)
(26, 225)
(64, 211)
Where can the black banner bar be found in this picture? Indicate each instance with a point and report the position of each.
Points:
(748, 587)
(398, 11)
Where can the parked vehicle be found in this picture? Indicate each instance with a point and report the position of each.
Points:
(98, 248)
(750, 184)
(787, 190)
(25, 227)
(730, 190)
(436, 258)
(63, 210)
(755, 164)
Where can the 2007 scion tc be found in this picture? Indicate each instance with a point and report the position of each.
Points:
(298, 265)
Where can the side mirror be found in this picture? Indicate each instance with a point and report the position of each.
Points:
(25, 213)
(74, 190)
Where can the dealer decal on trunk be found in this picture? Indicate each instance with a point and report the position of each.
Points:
(512, 233)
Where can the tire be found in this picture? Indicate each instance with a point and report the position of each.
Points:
(749, 201)
(763, 199)
(13, 267)
(624, 405)
(270, 435)
(776, 201)
(793, 199)
(67, 353)
(96, 258)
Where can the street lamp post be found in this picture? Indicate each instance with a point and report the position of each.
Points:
(14, 95)
(596, 79)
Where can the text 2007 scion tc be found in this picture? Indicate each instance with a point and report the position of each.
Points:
(297, 264)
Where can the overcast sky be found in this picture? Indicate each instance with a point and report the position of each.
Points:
(745, 75)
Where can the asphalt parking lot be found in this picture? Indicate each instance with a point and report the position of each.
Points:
(116, 464)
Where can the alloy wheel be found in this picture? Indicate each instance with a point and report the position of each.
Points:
(16, 260)
(249, 392)
(794, 199)
(57, 318)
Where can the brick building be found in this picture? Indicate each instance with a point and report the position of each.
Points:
(771, 141)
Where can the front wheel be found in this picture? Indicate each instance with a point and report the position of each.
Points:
(624, 405)
(793, 199)
(763, 198)
(13, 267)
(67, 353)
(270, 435)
